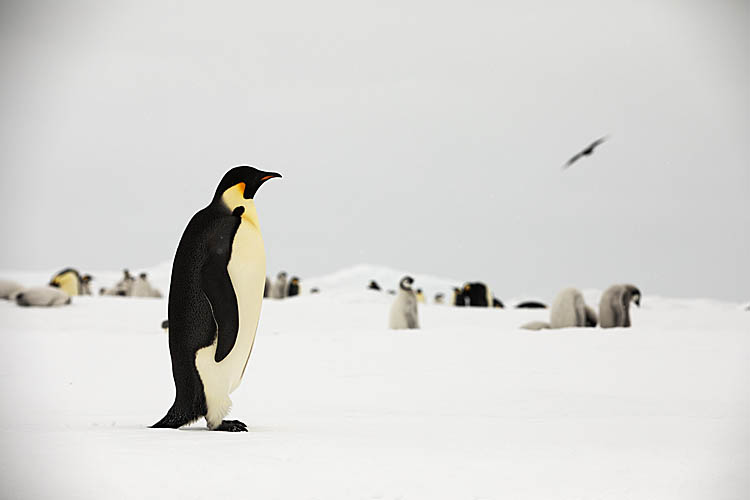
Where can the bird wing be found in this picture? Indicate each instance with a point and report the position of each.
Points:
(572, 160)
(217, 286)
(598, 142)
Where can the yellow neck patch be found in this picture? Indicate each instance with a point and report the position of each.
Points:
(234, 197)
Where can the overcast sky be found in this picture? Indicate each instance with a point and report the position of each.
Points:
(422, 135)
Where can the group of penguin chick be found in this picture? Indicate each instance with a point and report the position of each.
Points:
(69, 283)
(568, 310)
(280, 289)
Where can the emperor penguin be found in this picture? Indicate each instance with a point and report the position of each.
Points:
(373, 285)
(142, 288)
(267, 288)
(293, 287)
(9, 289)
(439, 298)
(86, 284)
(568, 311)
(43, 296)
(278, 291)
(497, 303)
(459, 297)
(404, 309)
(420, 296)
(478, 293)
(68, 280)
(614, 306)
(215, 300)
(531, 304)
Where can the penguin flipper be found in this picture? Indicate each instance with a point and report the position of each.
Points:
(217, 286)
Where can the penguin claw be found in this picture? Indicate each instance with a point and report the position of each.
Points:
(231, 426)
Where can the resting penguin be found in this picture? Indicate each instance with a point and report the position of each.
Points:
(86, 284)
(614, 306)
(293, 287)
(215, 298)
(497, 303)
(68, 280)
(568, 311)
(9, 289)
(459, 297)
(439, 298)
(142, 288)
(404, 308)
(478, 293)
(278, 291)
(43, 296)
(531, 304)
(373, 285)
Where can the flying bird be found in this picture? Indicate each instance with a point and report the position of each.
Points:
(586, 152)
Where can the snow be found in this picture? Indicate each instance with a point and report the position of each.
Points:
(340, 407)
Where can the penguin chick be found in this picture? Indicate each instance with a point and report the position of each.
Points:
(614, 306)
(404, 313)
(43, 296)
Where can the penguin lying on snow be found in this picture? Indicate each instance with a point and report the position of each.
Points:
(459, 297)
(614, 306)
(531, 304)
(404, 309)
(142, 288)
(373, 285)
(68, 280)
(9, 289)
(215, 299)
(439, 298)
(568, 311)
(478, 294)
(43, 296)
(497, 303)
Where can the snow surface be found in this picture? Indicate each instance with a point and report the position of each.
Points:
(340, 407)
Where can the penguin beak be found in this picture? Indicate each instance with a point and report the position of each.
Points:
(269, 175)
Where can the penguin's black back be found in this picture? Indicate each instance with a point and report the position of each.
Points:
(477, 294)
(531, 304)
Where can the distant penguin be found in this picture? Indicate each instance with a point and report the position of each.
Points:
(315, 290)
(9, 289)
(404, 313)
(531, 304)
(278, 291)
(391, 292)
(614, 306)
(123, 288)
(68, 280)
(420, 296)
(373, 285)
(478, 294)
(497, 303)
(439, 298)
(267, 288)
(86, 284)
(43, 296)
(568, 310)
(142, 288)
(165, 324)
(215, 299)
(293, 287)
(459, 297)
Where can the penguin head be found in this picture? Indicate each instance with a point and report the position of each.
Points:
(143, 276)
(86, 278)
(406, 282)
(635, 296)
(241, 184)
(281, 275)
(295, 280)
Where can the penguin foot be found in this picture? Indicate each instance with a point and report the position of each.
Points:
(231, 426)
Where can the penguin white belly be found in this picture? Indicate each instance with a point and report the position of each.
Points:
(247, 270)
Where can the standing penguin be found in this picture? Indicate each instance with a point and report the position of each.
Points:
(86, 284)
(278, 291)
(439, 298)
(293, 287)
(215, 299)
(420, 296)
(614, 306)
(68, 280)
(404, 309)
